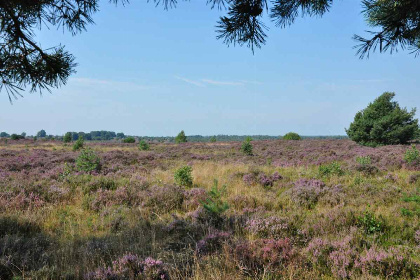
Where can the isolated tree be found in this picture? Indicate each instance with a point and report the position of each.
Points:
(24, 63)
(383, 122)
(181, 138)
(291, 136)
(41, 134)
(67, 137)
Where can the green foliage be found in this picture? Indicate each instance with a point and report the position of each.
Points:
(41, 134)
(364, 160)
(78, 144)
(181, 138)
(143, 145)
(370, 223)
(215, 204)
(213, 139)
(129, 140)
(67, 137)
(412, 156)
(291, 136)
(383, 122)
(17, 137)
(246, 147)
(334, 168)
(183, 176)
(88, 161)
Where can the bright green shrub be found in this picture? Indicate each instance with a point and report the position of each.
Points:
(143, 146)
(215, 203)
(370, 223)
(67, 137)
(213, 139)
(412, 155)
(181, 138)
(88, 161)
(78, 144)
(246, 147)
(332, 168)
(129, 140)
(383, 122)
(183, 176)
(291, 136)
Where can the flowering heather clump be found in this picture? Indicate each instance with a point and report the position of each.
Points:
(267, 227)
(267, 181)
(131, 267)
(338, 256)
(306, 192)
(334, 195)
(212, 242)
(249, 179)
(264, 254)
(390, 263)
(163, 199)
(417, 238)
(194, 197)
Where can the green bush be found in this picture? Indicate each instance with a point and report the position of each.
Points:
(181, 138)
(17, 137)
(78, 144)
(88, 161)
(214, 204)
(412, 156)
(129, 140)
(364, 160)
(143, 146)
(370, 223)
(291, 136)
(67, 137)
(383, 122)
(183, 176)
(213, 139)
(333, 168)
(246, 147)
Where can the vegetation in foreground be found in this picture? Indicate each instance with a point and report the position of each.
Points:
(309, 209)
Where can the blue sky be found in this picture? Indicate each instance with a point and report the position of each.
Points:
(146, 71)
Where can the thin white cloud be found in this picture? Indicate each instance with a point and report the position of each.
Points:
(204, 82)
(192, 82)
(250, 82)
(109, 84)
(222, 83)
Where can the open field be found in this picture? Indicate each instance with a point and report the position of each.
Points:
(294, 210)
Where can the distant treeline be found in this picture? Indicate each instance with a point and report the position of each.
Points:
(104, 135)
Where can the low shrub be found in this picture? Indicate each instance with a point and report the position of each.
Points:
(246, 147)
(412, 155)
(333, 168)
(143, 145)
(215, 204)
(291, 136)
(131, 267)
(88, 161)
(129, 140)
(78, 144)
(306, 192)
(370, 223)
(183, 176)
(212, 242)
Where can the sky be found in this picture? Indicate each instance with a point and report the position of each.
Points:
(146, 71)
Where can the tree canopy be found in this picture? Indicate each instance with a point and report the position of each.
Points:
(25, 64)
(384, 122)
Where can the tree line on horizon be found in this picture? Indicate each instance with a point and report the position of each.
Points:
(382, 122)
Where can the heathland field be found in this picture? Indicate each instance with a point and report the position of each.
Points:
(309, 209)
